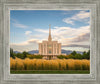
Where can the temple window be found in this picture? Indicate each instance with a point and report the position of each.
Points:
(49, 51)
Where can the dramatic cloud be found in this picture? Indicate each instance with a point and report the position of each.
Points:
(81, 16)
(68, 35)
(82, 38)
(71, 37)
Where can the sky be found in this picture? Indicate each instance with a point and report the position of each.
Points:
(71, 28)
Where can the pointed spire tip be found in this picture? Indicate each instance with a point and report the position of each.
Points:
(49, 38)
(49, 26)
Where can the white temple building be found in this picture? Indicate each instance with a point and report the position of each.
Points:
(50, 49)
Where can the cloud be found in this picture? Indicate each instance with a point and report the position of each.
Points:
(28, 45)
(33, 41)
(68, 20)
(76, 48)
(28, 32)
(17, 24)
(81, 38)
(81, 16)
(26, 42)
(70, 32)
(68, 35)
(20, 25)
(42, 30)
(74, 45)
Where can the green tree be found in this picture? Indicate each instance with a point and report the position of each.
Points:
(38, 56)
(34, 56)
(78, 56)
(25, 54)
(74, 53)
(12, 53)
(86, 55)
(20, 55)
(62, 57)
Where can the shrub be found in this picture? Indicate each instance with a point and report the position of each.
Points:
(35, 56)
(42, 64)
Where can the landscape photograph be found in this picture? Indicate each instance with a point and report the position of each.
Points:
(50, 41)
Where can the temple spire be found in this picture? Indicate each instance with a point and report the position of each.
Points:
(49, 29)
(49, 38)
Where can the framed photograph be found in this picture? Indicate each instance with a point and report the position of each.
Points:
(49, 42)
(50, 50)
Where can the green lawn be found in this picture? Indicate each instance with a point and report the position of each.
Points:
(51, 72)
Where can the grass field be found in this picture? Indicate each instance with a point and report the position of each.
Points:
(49, 72)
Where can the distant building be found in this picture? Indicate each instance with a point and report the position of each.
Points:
(50, 49)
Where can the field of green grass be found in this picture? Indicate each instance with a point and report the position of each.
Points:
(49, 71)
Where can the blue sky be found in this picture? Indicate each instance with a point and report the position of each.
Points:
(29, 27)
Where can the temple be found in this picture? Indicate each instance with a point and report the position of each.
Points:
(50, 49)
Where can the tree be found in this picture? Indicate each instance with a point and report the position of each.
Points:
(35, 56)
(74, 53)
(86, 55)
(84, 52)
(20, 55)
(78, 56)
(70, 56)
(12, 53)
(62, 57)
(25, 54)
